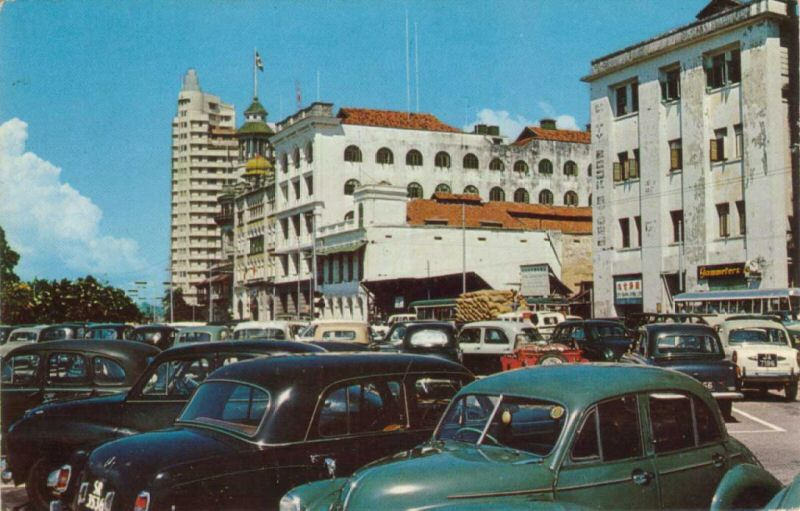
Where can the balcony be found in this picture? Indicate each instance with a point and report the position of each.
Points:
(224, 218)
(345, 225)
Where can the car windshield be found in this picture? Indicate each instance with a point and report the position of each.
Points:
(259, 333)
(523, 424)
(530, 335)
(231, 406)
(149, 336)
(761, 335)
(607, 331)
(669, 345)
(195, 337)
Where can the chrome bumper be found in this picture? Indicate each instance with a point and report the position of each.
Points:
(727, 396)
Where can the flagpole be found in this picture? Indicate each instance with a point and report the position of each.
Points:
(255, 75)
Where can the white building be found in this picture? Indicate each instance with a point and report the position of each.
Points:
(204, 154)
(322, 158)
(691, 154)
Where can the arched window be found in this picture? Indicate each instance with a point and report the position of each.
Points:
(589, 170)
(309, 152)
(350, 186)
(545, 167)
(496, 164)
(296, 157)
(470, 161)
(414, 158)
(521, 167)
(570, 199)
(497, 194)
(284, 162)
(471, 190)
(414, 191)
(348, 216)
(443, 187)
(521, 195)
(384, 156)
(590, 199)
(545, 197)
(352, 153)
(442, 160)
(570, 168)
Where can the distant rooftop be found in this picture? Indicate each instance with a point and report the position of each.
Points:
(538, 133)
(393, 119)
(190, 81)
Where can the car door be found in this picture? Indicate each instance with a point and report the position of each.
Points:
(469, 341)
(688, 449)
(607, 466)
(21, 386)
(67, 376)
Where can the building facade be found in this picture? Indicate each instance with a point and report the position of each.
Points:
(204, 156)
(691, 156)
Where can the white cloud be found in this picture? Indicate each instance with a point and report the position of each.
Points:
(512, 125)
(53, 226)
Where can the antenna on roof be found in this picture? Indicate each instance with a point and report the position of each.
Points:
(408, 72)
(416, 63)
(317, 85)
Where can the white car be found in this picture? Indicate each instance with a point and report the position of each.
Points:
(20, 336)
(482, 343)
(279, 330)
(762, 349)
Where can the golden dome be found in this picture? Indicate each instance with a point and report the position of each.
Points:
(258, 166)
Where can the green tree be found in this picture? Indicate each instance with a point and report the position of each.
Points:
(183, 311)
(8, 260)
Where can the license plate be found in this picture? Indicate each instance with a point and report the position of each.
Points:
(98, 499)
(767, 360)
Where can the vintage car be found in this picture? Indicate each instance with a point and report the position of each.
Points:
(256, 428)
(49, 435)
(20, 336)
(483, 343)
(426, 337)
(278, 330)
(693, 349)
(762, 348)
(336, 330)
(205, 333)
(33, 374)
(569, 436)
(63, 331)
(638, 319)
(161, 336)
(542, 352)
(600, 340)
(108, 331)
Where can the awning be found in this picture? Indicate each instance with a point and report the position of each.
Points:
(737, 294)
(350, 246)
(437, 282)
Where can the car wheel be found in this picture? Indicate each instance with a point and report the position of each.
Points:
(552, 359)
(36, 484)
(726, 407)
(791, 391)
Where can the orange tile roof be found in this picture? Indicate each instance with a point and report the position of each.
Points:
(505, 215)
(537, 133)
(393, 119)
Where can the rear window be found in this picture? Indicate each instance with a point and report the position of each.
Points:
(195, 337)
(259, 333)
(339, 335)
(107, 371)
(687, 345)
(231, 406)
(67, 368)
(608, 331)
(102, 333)
(20, 369)
(758, 336)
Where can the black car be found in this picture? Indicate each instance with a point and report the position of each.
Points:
(63, 331)
(423, 338)
(162, 336)
(638, 319)
(49, 435)
(257, 428)
(600, 340)
(693, 349)
(108, 331)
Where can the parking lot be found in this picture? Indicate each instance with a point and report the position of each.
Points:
(766, 424)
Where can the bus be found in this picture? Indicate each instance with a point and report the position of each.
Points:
(783, 302)
(443, 309)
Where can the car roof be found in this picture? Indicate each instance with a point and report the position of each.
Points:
(578, 385)
(206, 328)
(261, 324)
(744, 323)
(572, 322)
(694, 328)
(106, 325)
(106, 347)
(244, 346)
(324, 368)
(37, 328)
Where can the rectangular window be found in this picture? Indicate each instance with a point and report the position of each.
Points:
(635, 97)
(723, 69)
(671, 84)
(626, 98)
(637, 220)
(675, 154)
(677, 225)
(723, 212)
(717, 145)
(622, 100)
(310, 185)
(742, 217)
(739, 147)
(624, 227)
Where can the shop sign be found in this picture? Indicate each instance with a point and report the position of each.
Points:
(535, 279)
(721, 271)
(628, 290)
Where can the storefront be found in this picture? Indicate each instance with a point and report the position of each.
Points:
(628, 294)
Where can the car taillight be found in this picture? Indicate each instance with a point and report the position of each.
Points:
(142, 502)
(58, 480)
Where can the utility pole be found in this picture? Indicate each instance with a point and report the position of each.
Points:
(463, 249)
(794, 134)
(312, 282)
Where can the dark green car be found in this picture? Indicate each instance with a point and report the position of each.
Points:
(596, 436)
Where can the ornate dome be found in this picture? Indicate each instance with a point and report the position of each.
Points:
(258, 166)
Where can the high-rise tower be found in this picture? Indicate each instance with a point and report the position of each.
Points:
(204, 157)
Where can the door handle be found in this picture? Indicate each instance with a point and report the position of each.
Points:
(641, 477)
(718, 460)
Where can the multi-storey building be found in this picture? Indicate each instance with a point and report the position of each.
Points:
(692, 163)
(204, 154)
(321, 158)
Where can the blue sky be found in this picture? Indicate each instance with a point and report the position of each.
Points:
(95, 85)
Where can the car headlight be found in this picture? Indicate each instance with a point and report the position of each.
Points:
(290, 502)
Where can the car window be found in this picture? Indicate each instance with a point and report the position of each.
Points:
(560, 334)
(671, 422)
(102, 333)
(66, 368)
(397, 335)
(363, 407)
(469, 336)
(758, 335)
(687, 344)
(531, 335)
(577, 334)
(707, 427)
(428, 338)
(339, 335)
(232, 406)
(587, 445)
(195, 337)
(22, 336)
(56, 333)
(495, 336)
(620, 434)
(21, 369)
(428, 398)
(107, 371)
(608, 331)
(177, 378)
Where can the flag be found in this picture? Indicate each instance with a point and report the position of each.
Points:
(259, 63)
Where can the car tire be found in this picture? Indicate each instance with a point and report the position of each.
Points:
(36, 484)
(791, 391)
(551, 359)
(726, 407)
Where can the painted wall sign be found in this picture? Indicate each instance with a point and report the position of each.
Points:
(628, 290)
(720, 271)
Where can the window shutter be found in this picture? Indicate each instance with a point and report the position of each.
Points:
(713, 150)
(626, 169)
(617, 171)
(721, 149)
(674, 159)
(634, 171)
